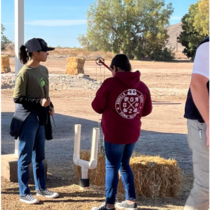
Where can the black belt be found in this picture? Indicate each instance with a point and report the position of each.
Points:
(201, 121)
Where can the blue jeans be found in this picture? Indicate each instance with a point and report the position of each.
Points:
(118, 158)
(31, 147)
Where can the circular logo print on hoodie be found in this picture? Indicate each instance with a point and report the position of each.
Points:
(129, 103)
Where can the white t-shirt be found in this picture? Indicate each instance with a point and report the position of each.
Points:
(201, 62)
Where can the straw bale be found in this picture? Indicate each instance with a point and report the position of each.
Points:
(5, 61)
(154, 176)
(75, 65)
(97, 175)
(5, 69)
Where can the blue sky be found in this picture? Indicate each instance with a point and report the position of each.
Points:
(60, 22)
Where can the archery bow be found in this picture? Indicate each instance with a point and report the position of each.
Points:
(100, 61)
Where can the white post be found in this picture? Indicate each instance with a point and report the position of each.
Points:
(77, 137)
(85, 165)
(94, 148)
(19, 40)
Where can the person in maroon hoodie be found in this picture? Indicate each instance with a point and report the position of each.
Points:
(122, 100)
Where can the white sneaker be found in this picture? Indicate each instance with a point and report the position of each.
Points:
(29, 199)
(47, 193)
(126, 206)
(102, 207)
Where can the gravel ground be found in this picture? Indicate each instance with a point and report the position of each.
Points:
(163, 133)
(57, 82)
(59, 154)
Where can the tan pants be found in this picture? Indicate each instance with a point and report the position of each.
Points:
(199, 195)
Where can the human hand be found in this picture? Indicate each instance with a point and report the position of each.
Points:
(45, 102)
(207, 135)
(52, 111)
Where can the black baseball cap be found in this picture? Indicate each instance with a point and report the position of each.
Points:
(37, 44)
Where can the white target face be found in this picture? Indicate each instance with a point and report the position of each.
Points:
(129, 103)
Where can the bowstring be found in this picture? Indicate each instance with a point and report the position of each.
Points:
(101, 136)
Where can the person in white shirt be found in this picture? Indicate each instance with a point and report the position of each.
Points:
(197, 114)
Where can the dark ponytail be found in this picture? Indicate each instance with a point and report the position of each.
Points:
(121, 61)
(23, 55)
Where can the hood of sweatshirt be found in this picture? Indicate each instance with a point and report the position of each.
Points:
(131, 79)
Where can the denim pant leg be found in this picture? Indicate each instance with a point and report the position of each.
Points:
(126, 172)
(114, 153)
(38, 156)
(26, 144)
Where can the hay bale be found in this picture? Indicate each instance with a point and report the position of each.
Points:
(5, 65)
(154, 176)
(97, 175)
(5, 69)
(75, 65)
(5, 61)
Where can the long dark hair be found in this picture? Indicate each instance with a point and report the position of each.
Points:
(121, 61)
(24, 55)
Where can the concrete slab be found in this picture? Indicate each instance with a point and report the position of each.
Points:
(9, 167)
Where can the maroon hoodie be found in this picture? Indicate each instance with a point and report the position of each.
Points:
(123, 100)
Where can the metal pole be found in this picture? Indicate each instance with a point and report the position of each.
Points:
(104, 74)
(19, 40)
(19, 32)
(100, 75)
(96, 73)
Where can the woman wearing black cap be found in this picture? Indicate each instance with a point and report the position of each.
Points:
(31, 121)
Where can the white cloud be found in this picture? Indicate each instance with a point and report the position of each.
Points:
(176, 18)
(56, 22)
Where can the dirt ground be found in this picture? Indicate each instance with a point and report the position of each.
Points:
(163, 133)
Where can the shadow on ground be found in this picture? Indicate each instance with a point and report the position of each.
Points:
(71, 193)
(59, 153)
(60, 149)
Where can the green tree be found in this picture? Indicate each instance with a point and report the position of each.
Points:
(190, 37)
(85, 43)
(136, 27)
(4, 39)
(201, 19)
(2, 29)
